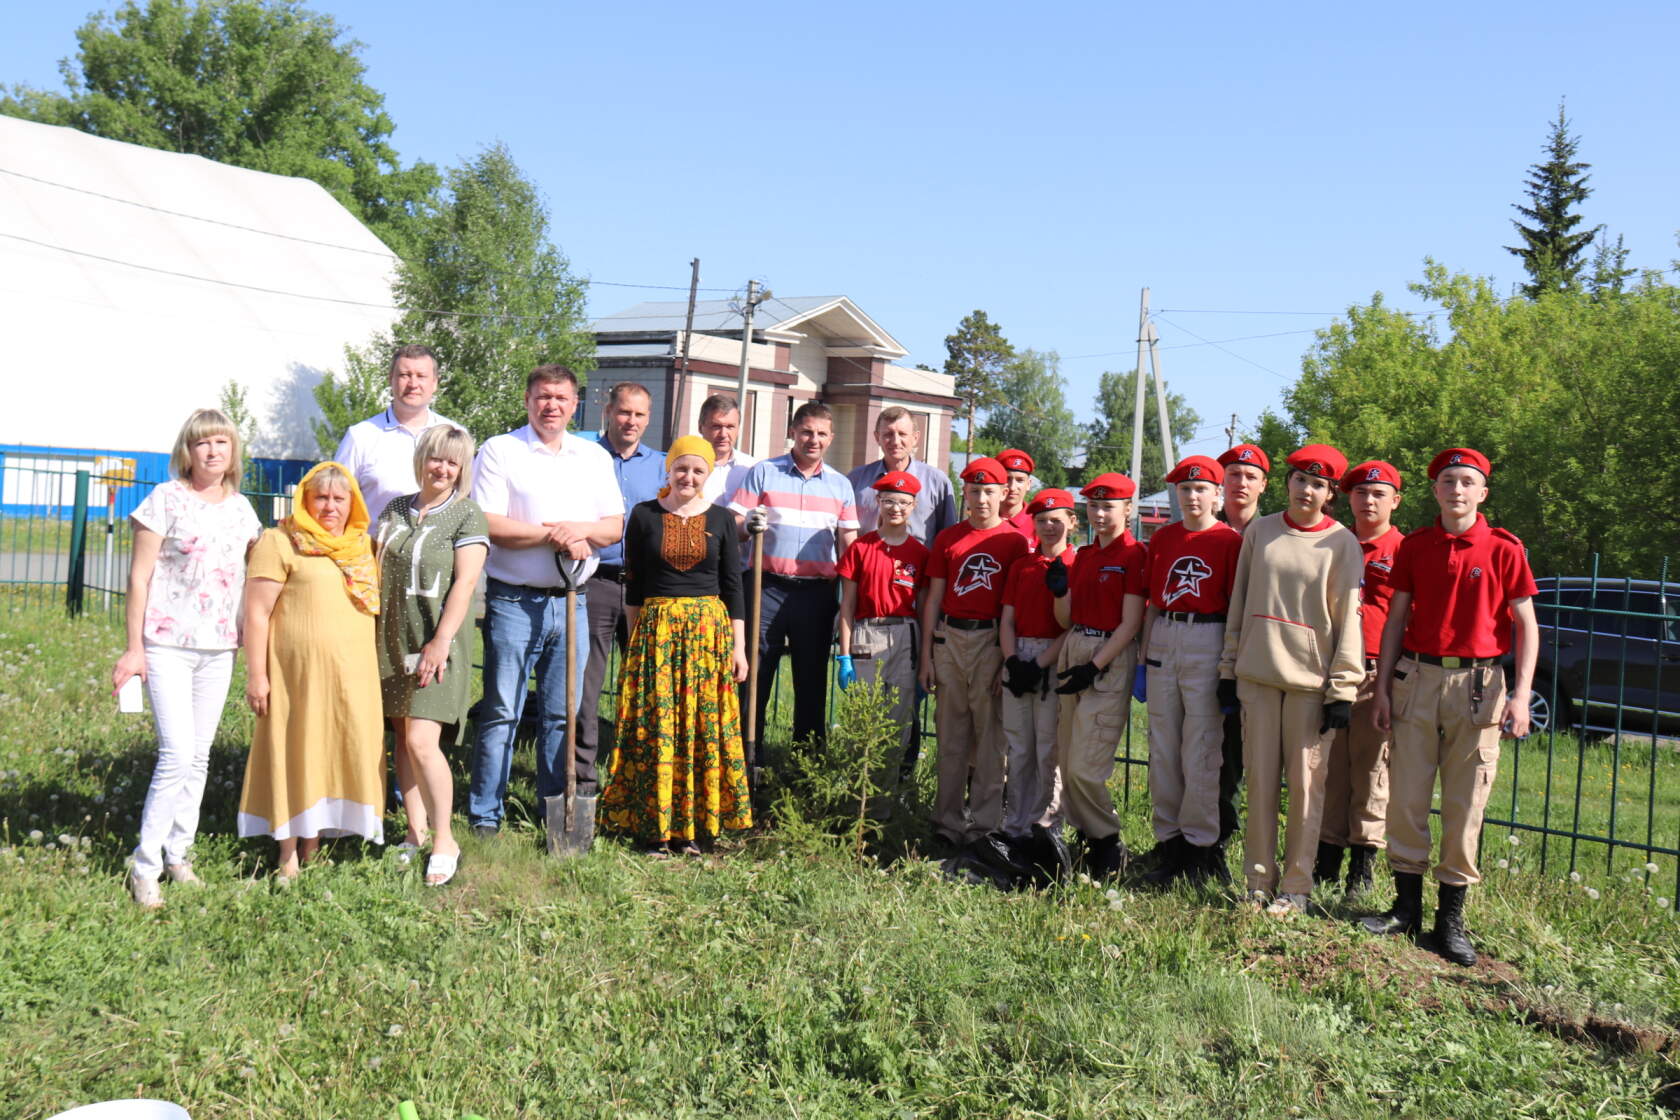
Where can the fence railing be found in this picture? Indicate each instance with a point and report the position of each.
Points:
(1598, 778)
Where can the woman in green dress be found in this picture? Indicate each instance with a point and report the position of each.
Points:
(432, 547)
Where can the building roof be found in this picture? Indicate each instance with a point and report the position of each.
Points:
(138, 282)
(777, 319)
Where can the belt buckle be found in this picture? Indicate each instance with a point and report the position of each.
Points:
(1452, 662)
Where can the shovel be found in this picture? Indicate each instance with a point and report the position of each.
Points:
(570, 818)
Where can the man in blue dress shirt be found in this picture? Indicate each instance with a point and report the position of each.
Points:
(641, 472)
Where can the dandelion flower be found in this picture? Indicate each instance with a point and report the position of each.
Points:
(1651, 869)
(394, 1030)
(1513, 840)
(35, 835)
(1574, 876)
(1592, 893)
(1662, 904)
(1259, 869)
(1504, 865)
(1115, 905)
(1111, 894)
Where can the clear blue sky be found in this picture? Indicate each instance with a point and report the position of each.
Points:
(1043, 162)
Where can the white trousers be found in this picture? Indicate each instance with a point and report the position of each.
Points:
(188, 688)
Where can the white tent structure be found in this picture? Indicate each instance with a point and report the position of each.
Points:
(135, 283)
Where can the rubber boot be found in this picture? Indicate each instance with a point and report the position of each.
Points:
(1174, 861)
(1406, 915)
(1105, 857)
(1360, 859)
(1328, 867)
(1452, 941)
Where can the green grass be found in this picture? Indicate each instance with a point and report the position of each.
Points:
(779, 980)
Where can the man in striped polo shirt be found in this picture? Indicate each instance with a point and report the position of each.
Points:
(808, 516)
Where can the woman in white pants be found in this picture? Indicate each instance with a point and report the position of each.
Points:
(186, 580)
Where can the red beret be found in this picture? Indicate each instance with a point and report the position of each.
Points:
(1110, 485)
(902, 482)
(1249, 454)
(1320, 459)
(1015, 460)
(1197, 468)
(1047, 500)
(985, 469)
(1459, 457)
(1372, 470)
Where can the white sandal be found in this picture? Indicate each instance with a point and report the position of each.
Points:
(441, 868)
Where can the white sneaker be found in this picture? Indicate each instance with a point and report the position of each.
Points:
(144, 892)
(1287, 905)
(182, 873)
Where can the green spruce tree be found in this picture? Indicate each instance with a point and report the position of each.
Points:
(1552, 251)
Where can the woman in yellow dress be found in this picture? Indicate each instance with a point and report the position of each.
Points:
(317, 762)
(679, 777)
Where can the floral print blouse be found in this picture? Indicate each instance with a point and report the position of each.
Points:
(197, 586)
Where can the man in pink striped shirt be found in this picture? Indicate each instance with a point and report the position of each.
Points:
(805, 510)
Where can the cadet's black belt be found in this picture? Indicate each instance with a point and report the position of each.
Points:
(1454, 662)
(1191, 616)
(1093, 632)
(971, 623)
(886, 620)
(794, 581)
(613, 573)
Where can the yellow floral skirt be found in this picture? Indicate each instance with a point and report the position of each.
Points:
(679, 772)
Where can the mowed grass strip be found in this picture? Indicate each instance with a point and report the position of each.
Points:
(770, 981)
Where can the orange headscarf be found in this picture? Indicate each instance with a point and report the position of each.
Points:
(351, 550)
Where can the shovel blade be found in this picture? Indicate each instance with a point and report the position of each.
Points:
(577, 839)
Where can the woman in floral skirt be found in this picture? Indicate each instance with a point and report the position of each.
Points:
(679, 777)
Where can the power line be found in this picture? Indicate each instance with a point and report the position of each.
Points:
(382, 253)
(1218, 346)
(1192, 345)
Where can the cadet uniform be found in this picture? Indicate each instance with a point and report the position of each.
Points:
(972, 564)
(1189, 580)
(1294, 648)
(1447, 693)
(1016, 461)
(1356, 786)
(1096, 717)
(883, 640)
(1033, 788)
(1231, 741)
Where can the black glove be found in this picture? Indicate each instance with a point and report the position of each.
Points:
(1056, 578)
(1337, 713)
(1021, 675)
(1078, 678)
(1227, 696)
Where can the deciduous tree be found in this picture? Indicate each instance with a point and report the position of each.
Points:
(1032, 414)
(1108, 438)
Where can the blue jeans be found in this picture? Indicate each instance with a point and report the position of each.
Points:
(524, 632)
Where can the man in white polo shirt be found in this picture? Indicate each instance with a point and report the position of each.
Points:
(720, 425)
(547, 493)
(379, 451)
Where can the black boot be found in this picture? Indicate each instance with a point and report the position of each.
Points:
(1328, 868)
(1199, 863)
(1452, 941)
(1213, 865)
(1174, 861)
(1406, 915)
(1105, 857)
(1360, 859)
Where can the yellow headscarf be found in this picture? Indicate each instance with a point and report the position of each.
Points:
(351, 550)
(688, 445)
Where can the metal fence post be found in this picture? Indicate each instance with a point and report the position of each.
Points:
(76, 578)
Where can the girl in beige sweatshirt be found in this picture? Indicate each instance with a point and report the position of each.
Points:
(1294, 658)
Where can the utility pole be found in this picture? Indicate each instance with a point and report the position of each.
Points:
(1149, 346)
(674, 422)
(755, 296)
(1231, 432)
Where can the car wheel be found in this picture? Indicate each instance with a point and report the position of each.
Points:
(1543, 713)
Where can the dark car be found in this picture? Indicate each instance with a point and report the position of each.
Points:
(1607, 646)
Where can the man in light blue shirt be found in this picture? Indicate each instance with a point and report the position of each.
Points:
(936, 505)
(641, 472)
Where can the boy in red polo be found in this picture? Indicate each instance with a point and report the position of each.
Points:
(961, 658)
(1356, 786)
(881, 575)
(1101, 600)
(1031, 640)
(1018, 469)
(1192, 564)
(1459, 586)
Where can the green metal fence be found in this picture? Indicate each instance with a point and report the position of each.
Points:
(1600, 781)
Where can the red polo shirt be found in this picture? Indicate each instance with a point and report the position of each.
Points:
(887, 575)
(1102, 578)
(1193, 571)
(1461, 588)
(1377, 591)
(974, 563)
(1023, 522)
(1035, 607)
